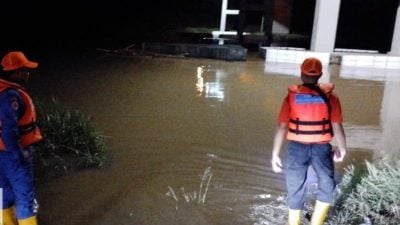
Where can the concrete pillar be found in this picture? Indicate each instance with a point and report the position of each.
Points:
(325, 23)
(390, 117)
(395, 49)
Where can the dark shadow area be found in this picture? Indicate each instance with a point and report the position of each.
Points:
(366, 24)
(67, 26)
(70, 26)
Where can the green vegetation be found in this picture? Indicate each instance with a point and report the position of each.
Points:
(369, 196)
(70, 141)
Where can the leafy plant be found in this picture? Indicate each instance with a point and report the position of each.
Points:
(70, 141)
(369, 198)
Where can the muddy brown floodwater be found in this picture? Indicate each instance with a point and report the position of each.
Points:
(190, 139)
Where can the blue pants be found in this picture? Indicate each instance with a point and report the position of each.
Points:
(16, 179)
(299, 157)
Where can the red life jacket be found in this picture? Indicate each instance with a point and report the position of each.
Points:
(309, 115)
(28, 130)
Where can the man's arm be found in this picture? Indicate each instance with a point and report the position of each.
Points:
(341, 140)
(276, 149)
(10, 103)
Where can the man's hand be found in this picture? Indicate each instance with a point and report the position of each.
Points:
(25, 154)
(338, 154)
(340, 151)
(276, 164)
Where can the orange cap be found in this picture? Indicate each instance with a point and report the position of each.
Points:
(16, 60)
(311, 67)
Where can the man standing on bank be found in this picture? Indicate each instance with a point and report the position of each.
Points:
(19, 132)
(310, 115)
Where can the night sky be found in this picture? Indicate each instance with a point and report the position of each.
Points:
(78, 24)
(111, 23)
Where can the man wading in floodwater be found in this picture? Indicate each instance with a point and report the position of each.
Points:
(309, 117)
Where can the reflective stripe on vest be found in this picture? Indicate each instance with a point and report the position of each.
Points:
(309, 118)
(28, 130)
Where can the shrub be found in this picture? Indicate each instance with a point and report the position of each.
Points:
(372, 197)
(70, 140)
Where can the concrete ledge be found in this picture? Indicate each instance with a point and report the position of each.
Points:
(353, 64)
(350, 57)
(287, 61)
(293, 55)
(224, 52)
(292, 69)
(372, 61)
(367, 73)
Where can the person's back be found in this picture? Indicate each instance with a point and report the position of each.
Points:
(309, 117)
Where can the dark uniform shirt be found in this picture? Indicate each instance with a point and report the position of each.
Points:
(11, 109)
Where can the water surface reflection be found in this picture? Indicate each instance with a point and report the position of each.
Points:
(191, 139)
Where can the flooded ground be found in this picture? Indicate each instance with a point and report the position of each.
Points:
(190, 139)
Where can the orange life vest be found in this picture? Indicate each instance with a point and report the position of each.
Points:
(309, 115)
(28, 129)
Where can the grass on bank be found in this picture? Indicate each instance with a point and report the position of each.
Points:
(70, 142)
(369, 195)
